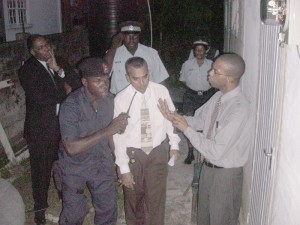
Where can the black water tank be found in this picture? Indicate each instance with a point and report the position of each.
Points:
(104, 17)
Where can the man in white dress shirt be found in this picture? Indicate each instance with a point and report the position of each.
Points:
(144, 173)
(125, 46)
(225, 142)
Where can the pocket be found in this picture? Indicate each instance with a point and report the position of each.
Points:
(57, 175)
(86, 127)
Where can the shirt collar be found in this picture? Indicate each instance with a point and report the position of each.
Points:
(138, 48)
(43, 63)
(147, 93)
(84, 94)
(231, 94)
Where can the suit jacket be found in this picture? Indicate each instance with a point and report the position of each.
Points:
(42, 97)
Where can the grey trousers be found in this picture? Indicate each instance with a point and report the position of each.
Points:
(145, 205)
(220, 193)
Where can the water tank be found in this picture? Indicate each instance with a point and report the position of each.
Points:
(104, 17)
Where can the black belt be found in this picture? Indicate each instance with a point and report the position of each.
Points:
(198, 92)
(211, 165)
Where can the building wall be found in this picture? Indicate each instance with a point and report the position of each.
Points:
(44, 17)
(243, 38)
(286, 196)
(72, 46)
(250, 40)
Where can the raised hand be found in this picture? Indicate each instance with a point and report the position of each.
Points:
(164, 109)
(117, 40)
(118, 124)
(52, 61)
(179, 122)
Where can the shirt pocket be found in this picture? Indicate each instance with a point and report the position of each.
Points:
(86, 127)
(118, 69)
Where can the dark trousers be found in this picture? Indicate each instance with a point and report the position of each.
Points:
(42, 155)
(192, 101)
(100, 180)
(145, 205)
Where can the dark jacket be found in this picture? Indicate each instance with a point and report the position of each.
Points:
(42, 96)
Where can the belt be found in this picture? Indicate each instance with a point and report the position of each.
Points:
(211, 165)
(198, 92)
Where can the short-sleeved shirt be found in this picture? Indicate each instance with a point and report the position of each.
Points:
(195, 76)
(79, 119)
(158, 72)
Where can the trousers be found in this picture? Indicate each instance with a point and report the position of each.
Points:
(42, 155)
(145, 205)
(220, 191)
(100, 180)
(192, 101)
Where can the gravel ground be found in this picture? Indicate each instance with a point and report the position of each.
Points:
(178, 205)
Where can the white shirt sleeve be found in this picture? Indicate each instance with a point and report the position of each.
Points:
(159, 72)
(227, 134)
(120, 142)
(229, 146)
(183, 73)
(173, 138)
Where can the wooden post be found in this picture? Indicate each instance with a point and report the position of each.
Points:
(3, 138)
(195, 190)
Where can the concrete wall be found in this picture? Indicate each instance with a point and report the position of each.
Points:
(286, 195)
(250, 46)
(72, 46)
(243, 38)
(43, 17)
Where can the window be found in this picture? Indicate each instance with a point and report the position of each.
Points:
(16, 12)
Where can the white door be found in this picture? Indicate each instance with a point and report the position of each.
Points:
(268, 122)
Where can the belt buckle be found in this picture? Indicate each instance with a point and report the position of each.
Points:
(200, 93)
(132, 159)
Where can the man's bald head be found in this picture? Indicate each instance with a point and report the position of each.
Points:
(233, 65)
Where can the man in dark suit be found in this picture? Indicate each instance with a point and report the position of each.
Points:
(45, 86)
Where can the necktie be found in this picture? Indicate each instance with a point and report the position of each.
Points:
(49, 70)
(214, 118)
(146, 133)
(51, 75)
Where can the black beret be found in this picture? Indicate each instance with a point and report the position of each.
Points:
(93, 67)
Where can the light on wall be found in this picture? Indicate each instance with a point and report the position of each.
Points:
(273, 12)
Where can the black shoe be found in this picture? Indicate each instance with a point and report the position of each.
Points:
(39, 218)
(190, 157)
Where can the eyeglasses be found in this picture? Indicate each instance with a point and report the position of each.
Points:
(216, 73)
(39, 48)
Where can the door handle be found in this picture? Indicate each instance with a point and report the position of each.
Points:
(269, 154)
